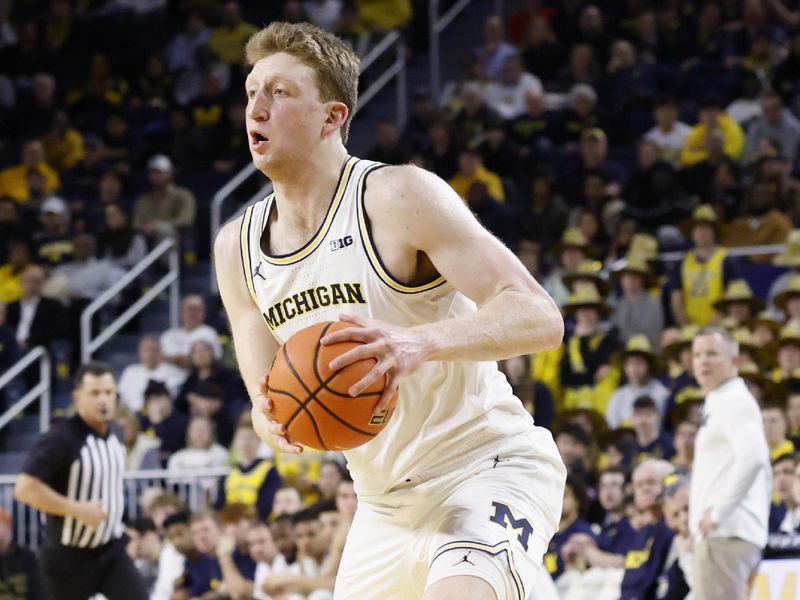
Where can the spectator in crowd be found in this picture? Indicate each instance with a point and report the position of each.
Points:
(84, 277)
(785, 514)
(506, 96)
(205, 369)
(728, 507)
(536, 397)
(470, 122)
(611, 497)
(388, 147)
(533, 128)
(776, 428)
(227, 39)
(176, 343)
(586, 373)
(683, 442)
(202, 571)
(494, 51)
(650, 441)
(760, 223)
(253, 481)
(637, 311)
(167, 209)
(776, 125)
(119, 243)
(471, 170)
(54, 240)
(738, 305)
(19, 258)
(712, 119)
(201, 451)
(141, 449)
(21, 577)
(441, 153)
(269, 560)
(788, 358)
(330, 474)
(235, 520)
(573, 445)
(144, 548)
(151, 367)
(677, 569)
(36, 320)
(208, 400)
(571, 252)
(495, 216)
(287, 502)
(14, 180)
(669, 134)
(704, 273)
(63, 144)
(176, 549)
(557, 559)
(639, 366)
(545, 216)
(161, 421)
(790, 258)
(183, 46)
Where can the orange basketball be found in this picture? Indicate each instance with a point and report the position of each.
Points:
(312, 401)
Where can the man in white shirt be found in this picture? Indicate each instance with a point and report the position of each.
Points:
(176, 343)
(269, 561)
(151, 367)
(507, 95)
(172, 560)
(669, 134)
(731, 474)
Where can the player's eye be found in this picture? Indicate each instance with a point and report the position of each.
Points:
(279, 92)
(251, 94)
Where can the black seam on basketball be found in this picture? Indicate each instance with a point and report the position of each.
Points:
(343, 422)
(325, 383)
(317, 347)
(302, 407)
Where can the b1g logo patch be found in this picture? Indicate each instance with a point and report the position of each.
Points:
(503, 517)
(380, 418)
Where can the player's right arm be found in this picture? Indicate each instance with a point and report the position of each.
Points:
(254, 344)
(34, 492)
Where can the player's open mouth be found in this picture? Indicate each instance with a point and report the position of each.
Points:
(257, 140)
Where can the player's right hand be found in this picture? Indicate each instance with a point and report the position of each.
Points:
(267, 426)
(90, 514)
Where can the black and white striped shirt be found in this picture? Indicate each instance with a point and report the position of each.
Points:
(79, 463)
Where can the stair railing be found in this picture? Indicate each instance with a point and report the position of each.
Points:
(41, 391)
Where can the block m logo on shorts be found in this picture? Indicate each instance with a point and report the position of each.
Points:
(502, 516)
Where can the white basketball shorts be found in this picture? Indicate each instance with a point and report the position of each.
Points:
(491, 516)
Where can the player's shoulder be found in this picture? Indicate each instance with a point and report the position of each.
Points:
(228, 239)
(395, 191)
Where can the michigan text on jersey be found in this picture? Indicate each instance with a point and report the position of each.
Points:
(312, 299)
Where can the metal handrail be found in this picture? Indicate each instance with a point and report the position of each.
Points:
(436, 25)
(40, 390)
(169, 280)
(396, 69)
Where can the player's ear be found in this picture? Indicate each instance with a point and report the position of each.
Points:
(337, 115)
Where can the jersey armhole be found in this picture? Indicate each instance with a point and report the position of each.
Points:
(244, 246)
(372, 252)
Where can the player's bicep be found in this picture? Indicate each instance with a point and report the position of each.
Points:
(436, 221)
(254, 343)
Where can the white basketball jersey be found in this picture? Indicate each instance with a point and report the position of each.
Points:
(445, 408)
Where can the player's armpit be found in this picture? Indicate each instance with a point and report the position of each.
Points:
(413, 211)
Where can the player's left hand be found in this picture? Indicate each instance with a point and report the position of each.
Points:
(398, 351)
(707, 523)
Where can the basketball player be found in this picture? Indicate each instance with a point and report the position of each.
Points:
(459, 495)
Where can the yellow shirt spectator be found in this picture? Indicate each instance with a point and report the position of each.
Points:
(463, 180)
(63, 149)
(14, 180)
(10, 284)
(695, 149)
(383, 15)
(228, 42)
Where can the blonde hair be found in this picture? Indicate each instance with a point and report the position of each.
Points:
(334, 62)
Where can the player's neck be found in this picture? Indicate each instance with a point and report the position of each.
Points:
(302, 194)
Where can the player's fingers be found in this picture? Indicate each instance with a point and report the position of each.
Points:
(360, 321)
(356, 354)
(276, 428)
(378, 371)
(388, 393)
(286, 446)
(351, 334)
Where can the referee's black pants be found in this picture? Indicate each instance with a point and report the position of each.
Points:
(80, 573)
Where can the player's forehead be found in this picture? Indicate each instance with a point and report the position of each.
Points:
(281, 65)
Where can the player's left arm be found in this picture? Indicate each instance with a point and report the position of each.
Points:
(413, 211)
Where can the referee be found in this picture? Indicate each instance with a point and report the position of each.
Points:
(74, 474)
